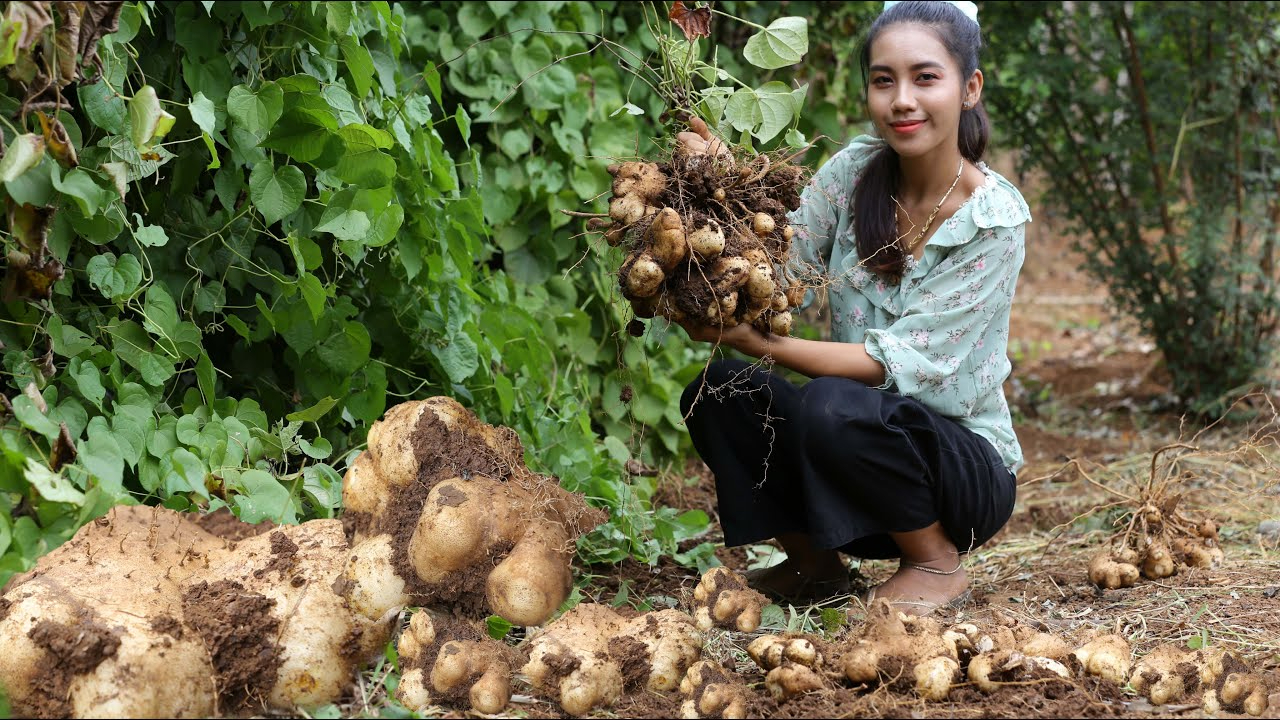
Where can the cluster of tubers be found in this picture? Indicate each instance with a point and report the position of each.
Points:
(146, 613)
(906, 653)
(1156, 542)
(707, 244)
(723, 599)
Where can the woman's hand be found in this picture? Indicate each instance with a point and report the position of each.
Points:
(744, 338)
(700, 141)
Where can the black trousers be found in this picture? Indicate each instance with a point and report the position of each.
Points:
(841, 462)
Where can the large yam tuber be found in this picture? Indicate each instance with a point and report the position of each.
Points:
(179, 622)
(465, 501)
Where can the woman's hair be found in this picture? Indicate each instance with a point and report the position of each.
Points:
(873, 210)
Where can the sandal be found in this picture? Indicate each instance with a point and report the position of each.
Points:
(920, 608)
(810, 591)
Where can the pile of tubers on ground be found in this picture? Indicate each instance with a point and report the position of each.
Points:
(147, 612)
(1157, 540)
(707, 239)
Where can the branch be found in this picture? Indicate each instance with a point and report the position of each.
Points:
(1125, 28)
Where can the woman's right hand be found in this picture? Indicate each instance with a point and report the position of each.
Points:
(700, 141)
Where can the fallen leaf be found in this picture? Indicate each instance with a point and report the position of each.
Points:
(694, 23)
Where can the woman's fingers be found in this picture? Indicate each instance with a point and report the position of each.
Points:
(699, 126)
(693, 143)
(713, 144)
(699, 139)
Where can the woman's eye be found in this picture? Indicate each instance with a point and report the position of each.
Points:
(928, 77)
(882, 80)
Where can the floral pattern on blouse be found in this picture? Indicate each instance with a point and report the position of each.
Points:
(942, 333)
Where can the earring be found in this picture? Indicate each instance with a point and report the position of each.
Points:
(967, 105)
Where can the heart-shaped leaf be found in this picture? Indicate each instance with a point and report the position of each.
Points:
(783, 43)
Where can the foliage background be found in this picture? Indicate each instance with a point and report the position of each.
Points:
(358, 204)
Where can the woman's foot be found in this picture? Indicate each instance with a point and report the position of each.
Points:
(922, 588)
(788, 583)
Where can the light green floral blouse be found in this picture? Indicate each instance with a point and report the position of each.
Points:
(942, 334)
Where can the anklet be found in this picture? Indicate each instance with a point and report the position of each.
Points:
(934, 571)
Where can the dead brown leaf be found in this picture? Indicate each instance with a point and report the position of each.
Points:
(64, 449)
(694, 23)
(32, 270)
(57, 142)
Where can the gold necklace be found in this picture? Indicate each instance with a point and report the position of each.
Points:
(911, 246)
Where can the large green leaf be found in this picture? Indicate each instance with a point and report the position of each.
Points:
(276, 192)
(51, 486)
(115, 278)
(363, 162)
(764, 112)
(783, 43)
(262, 497)
(256, 110)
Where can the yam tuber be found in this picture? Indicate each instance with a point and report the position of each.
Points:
(463, 517)
(891, 646)
(148, 615)
(1106, 572)
(711, 692)
(1106, 657)
(793, 664)
(723, 599)
(441, 660)
(587, 657)
(989, 671)
(1166, 674)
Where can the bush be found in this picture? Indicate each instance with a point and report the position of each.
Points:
(1153, 126)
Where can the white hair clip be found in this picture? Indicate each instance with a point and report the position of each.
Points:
(969, 9)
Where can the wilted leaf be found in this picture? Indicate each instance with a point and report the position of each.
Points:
(66, 40)
(694, 23)
(57, 142)
(64, 449)
(31, 270)
(99, 18)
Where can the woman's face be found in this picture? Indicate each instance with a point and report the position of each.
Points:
(916, 90)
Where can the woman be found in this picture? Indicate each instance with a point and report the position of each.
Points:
(902, 444)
